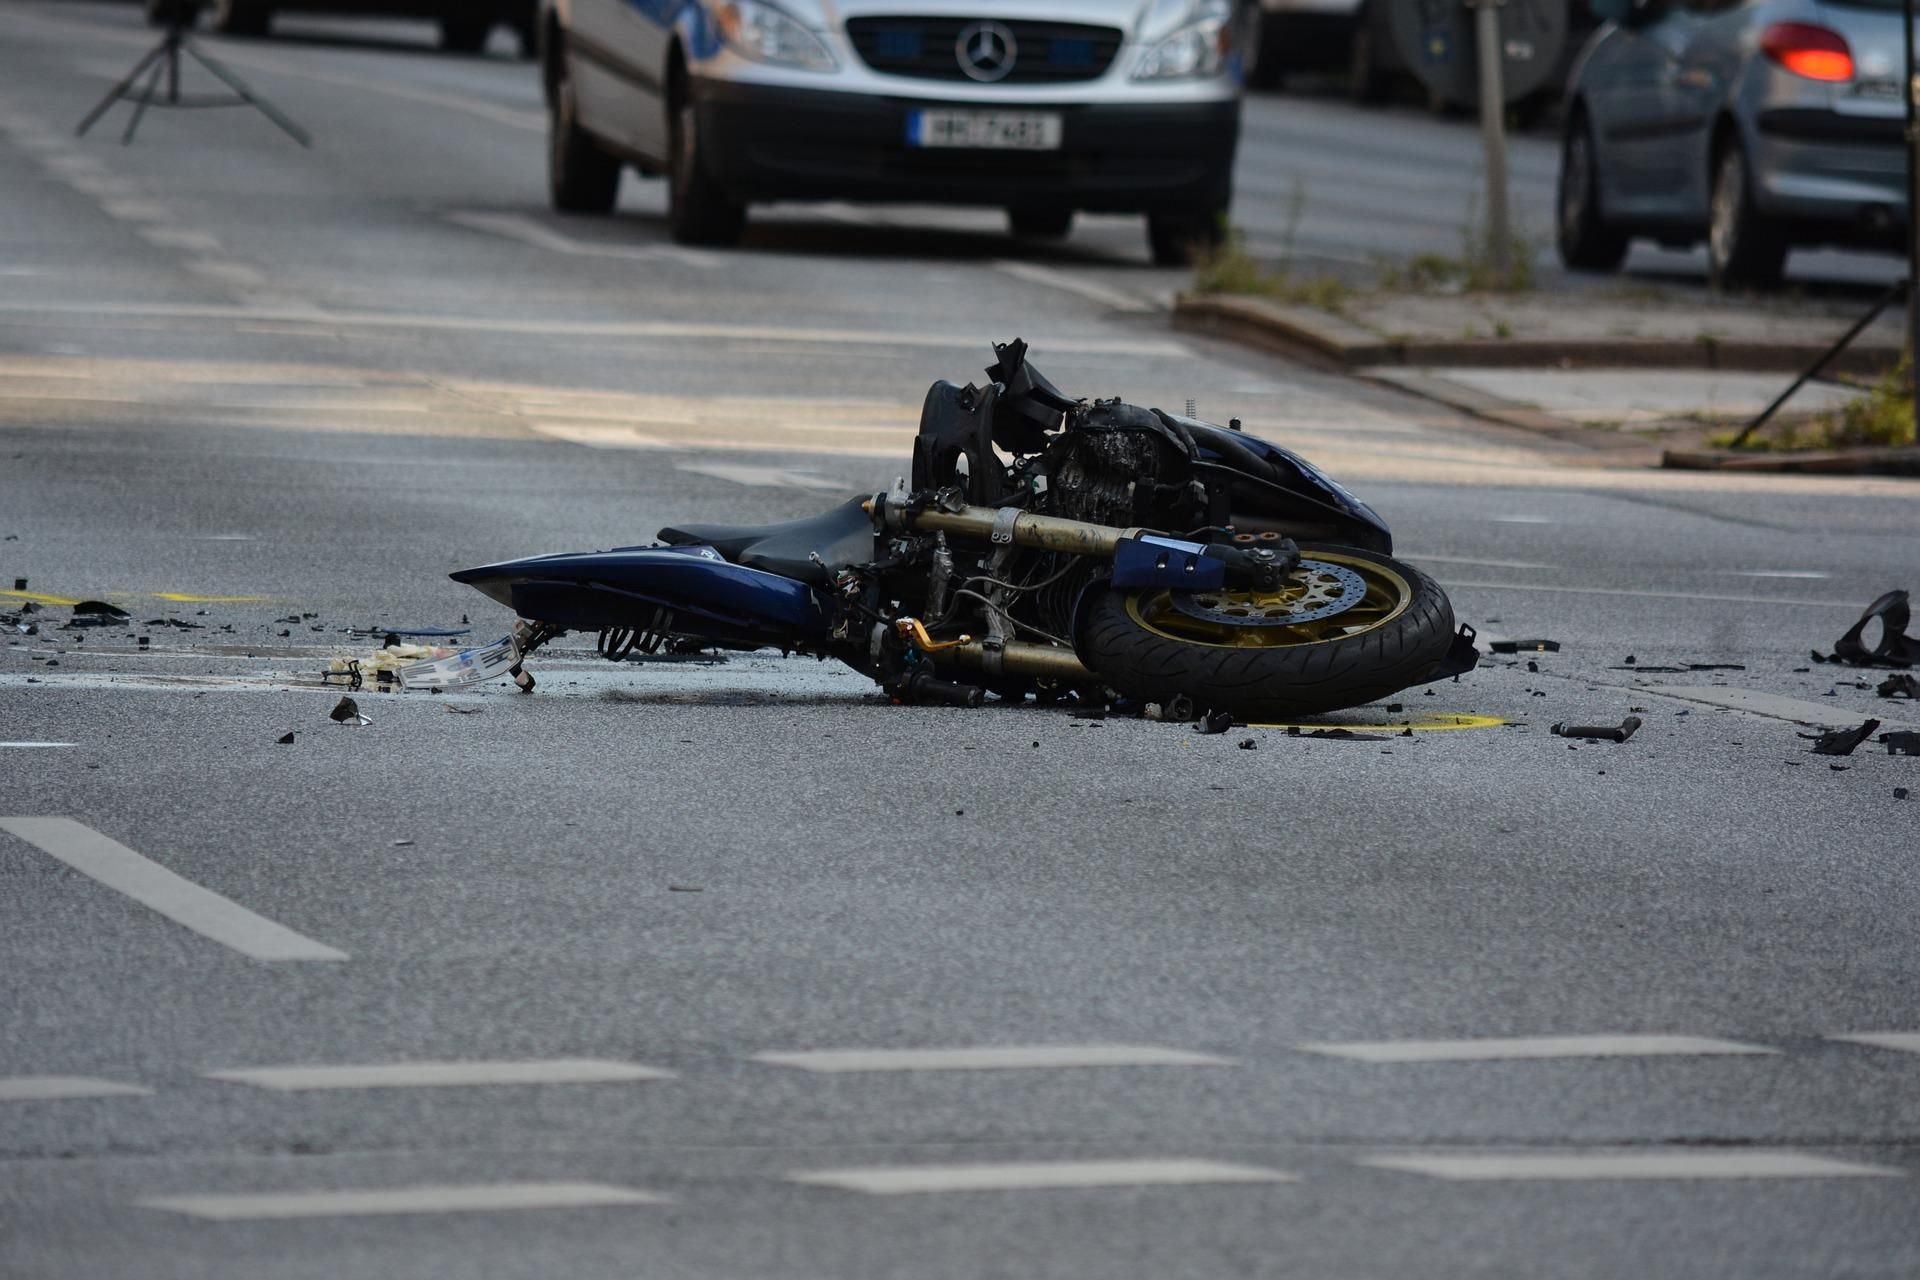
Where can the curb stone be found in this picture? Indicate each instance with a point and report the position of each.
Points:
(1901, 460)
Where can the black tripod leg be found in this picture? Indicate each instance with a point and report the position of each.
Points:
(119, 91)
(247, 95)
(141, 103)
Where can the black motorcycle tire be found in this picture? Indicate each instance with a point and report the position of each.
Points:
(1270, 683)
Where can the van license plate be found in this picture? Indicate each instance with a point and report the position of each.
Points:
(989, 130)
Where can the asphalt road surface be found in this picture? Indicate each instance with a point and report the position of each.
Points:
(732, 970)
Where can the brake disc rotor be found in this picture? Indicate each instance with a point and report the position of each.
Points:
(1317, 590)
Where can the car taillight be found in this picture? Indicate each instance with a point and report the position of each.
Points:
(1807, 50)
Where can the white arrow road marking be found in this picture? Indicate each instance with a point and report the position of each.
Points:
(49, 1088)
(152, 885)
(494, 1197)
(1530, 1047)
(1038, 1175)
(1586, 1166)
(427, 1075)
(992, 1058)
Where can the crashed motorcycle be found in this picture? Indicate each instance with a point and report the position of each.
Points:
(1047, 546)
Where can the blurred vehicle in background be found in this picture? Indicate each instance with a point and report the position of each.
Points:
(1755, 125)
(465, 25)
(1042, 107)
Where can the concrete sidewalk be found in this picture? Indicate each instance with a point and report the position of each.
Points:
(1652, 365)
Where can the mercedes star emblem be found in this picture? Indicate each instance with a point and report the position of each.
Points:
(986, 51)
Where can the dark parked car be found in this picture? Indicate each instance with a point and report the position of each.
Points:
(464, 24)
(1755, 125)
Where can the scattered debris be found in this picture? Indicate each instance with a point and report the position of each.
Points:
(1900, 685)
(285, 739)
(1901, 744)
(1525, 646)
(347, 711)
(684, 888)
(1662, 670)
(1395, 708)
(401, 844)
(1248, 744)
(1341, 735)
(96, 613)
(1839, 768)
(19, 584)
(474, 711)
(1895, 648)
(1215, 722)
(1841, 742)
(1900, 793)
(1716, 666)
(1599, 733)
(180, 623)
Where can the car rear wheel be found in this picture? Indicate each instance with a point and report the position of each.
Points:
(581, 178)
(1041, 224)
(1585, 240)
(465, 32)
(1745, 248)
(241, 18)
(1176, 239)
(699, 210)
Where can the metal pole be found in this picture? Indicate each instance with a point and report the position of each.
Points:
(1913, 220)
(1493, 127)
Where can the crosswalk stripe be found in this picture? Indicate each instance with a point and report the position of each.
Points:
(1036, 1175)
(992, 1058)
(49, 1088)
(1605, 1046)
(1903, 1041)
(492, 1197)
(1584, 1166)
(427, 1075)
(205, 912)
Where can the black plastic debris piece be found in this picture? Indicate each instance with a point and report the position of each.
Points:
(1599, 732)
(1179, 709)
(1248, 744)
(1533, 667)
(95, 613)
(1341, 735)
(1657, 670)
(347, 711)
(285, 739)
(145, 641)
(1900, 793)
(180, 624)
(1900, 686)
(19, 584)
(1395, 708)
(1901, 744)
(391, 635)
(1631, 660)
(1895, 647)
(1839, 768)
(1214, 722)
(1841, 742)
(1716, 666)
(1525, 646)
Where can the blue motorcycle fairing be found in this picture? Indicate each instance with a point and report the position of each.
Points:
(1274, 465)
(1153, 561)
(626, 587)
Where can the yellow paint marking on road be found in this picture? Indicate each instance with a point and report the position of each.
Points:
(37, 598)
(1421, 724)
(181, 598)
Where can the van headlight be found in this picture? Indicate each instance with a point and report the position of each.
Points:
(764, 33)
(1198, 50)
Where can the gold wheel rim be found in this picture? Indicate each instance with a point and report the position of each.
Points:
(1388, 595)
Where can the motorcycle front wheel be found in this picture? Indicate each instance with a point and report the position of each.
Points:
(1346, 628)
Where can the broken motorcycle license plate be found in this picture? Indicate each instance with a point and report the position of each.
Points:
(469, 666)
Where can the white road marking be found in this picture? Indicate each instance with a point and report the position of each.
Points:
(1630, 1046)
(1552, 588)
(75, 163)
(1585, 1166)
(612, 329)
(436, 1075)
(1524, 520)
(35, 745)
(230, 272)
(992, 1058)
(599, 437)
(152, 885)
(527, 231)
(180, 238)
(488, 1198)
(1903, 1041)
(1486, 564)
(1799, 711)
(1037, 1175)
(1065, 282)
(1810, 575)
(762, 477)
(49, 1088)
(101, 185)
(136, 210)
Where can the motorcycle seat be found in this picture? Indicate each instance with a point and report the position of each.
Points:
(840, 537)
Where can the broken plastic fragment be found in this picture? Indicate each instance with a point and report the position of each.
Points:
(1841, 742)
(347, 711)
(465, 667)
(1215, 722)
(1895, 648)
(1526, 646)
(1899, 686)
(1901, 744)
(1602, 733)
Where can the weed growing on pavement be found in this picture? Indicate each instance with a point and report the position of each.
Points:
(1229, 268)
(1882, 416)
